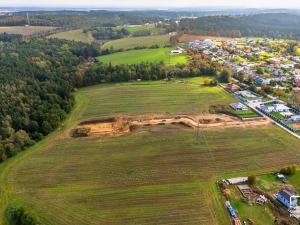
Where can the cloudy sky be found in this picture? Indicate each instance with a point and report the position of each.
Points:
(155, 3)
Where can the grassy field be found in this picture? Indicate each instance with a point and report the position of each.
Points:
(136, 28)
(148, 177)
(132, 42)
(74, 35)
(261, 215)
(144, 55)
(25, 30)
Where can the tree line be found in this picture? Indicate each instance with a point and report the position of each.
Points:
(273, 25)
(36, 83)
(199, 65)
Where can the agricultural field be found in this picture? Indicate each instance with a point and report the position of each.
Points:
(25, 30)
(74, 35)
(135, 28)
(133, 42)
(144, 55)
(149, 176)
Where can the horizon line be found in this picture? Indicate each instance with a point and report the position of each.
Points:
(68, 7)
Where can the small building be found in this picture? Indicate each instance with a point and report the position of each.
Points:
(287, 198)
(175, 52)
(262, 81)
(237, 180)
(238, 106)
(295, 119)
(282, 178)
(232, 87)
(207, 43)
(297, 80)
(274, 61)
(275, 108)
(261, 200)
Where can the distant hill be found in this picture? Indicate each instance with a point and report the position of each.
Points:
(277, 25)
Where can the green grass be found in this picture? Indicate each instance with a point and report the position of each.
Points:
(260, 215)
(133, 42)
(295, 181)
(147, 177)
(136, 28)
(25, 30)
(269, 183)
(244, 113)
(277, 115)
(144, 55)
(152, 97)
(74, 35)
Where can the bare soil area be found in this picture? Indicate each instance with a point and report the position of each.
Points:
(122, 125)
(296, 125)
(189, 37)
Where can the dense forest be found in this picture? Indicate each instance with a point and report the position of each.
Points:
(224, 23)
(76, 19)
(106, 33)
(198, 66)
(36, 81)
(275, 25)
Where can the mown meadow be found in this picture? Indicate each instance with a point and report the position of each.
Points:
(146, 177)
(156, 55)
(134, 42)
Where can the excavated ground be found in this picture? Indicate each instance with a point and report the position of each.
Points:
(119, 126)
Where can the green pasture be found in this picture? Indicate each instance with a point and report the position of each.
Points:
(156, 55)
(74, 35)
(134, 42)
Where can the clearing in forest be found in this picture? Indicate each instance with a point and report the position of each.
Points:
(25, 30)
(74, 35)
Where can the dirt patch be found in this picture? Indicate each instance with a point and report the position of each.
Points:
(296, 125)
(122, 125)
(188, 38)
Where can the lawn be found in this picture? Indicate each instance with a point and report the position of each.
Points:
(269, 183)
(74, 35)
(25, 30)
(144, 55)
(244, 113)
(278, 116)
(295, 181)
(148, 177)
(260, 215)
(133, 42)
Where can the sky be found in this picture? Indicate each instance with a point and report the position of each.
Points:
(155, 3)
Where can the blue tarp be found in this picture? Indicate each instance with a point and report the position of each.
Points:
(231, 211)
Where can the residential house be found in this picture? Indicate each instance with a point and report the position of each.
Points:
(287, 199)
(275, 108)
(261, 81)
(297, 80)
(295, 119)
(232, 87)
(238, 106)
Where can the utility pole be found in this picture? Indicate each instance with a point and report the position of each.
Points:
(28, 21)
